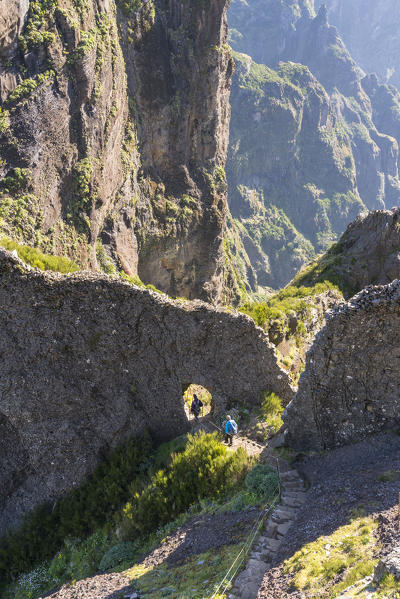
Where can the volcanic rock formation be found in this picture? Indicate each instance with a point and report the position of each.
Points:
(368, 253)
(351, 384)
(87, 360)
(113, 136)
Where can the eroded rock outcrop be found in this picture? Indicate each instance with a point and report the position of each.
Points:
(87, 360)
(368, 253)
(350, 387)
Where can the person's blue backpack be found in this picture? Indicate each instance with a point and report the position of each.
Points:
(233, 426)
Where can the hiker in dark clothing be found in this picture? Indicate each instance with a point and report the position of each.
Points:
(196, 406)
(230, 430)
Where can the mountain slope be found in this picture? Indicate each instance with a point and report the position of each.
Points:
(377, 22)
(313, 141)
(368, 253)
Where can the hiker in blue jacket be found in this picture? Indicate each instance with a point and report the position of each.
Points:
(231, 429)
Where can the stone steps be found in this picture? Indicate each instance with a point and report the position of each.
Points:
(293, 496)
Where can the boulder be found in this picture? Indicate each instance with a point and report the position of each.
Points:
(390, 564)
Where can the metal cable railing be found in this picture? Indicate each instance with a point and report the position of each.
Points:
(238, 561)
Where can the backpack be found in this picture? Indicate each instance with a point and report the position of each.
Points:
(233, 427)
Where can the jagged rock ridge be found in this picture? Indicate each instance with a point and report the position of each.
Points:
(350, 387)
(367, 253)
(113, 135)
(87, 360)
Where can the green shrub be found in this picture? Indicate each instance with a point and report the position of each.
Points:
(280, 306)
(263, 481)
(271, 405)
(76, 515)
(388, 584)
(104, 261)
(34, 35)
(82, 175)
(129, 7)
(166, 453)
(204, 469)
(78, 559)
(123, 552)
(33, 583)
(86, 44)
(81, 7)
(271, 412)
(22, 217)
(4, 120)
(83, 196)
(27, 86)
(34, 257)
(135, 280)
(17, 180)
(389, 476)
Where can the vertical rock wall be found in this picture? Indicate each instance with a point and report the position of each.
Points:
(351, 384)
(113, 136)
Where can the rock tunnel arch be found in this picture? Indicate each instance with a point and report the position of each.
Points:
(205, 396)
(108, 360)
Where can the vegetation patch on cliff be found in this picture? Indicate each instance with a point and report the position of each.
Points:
(329, 565)
(24, 89)
(34, 257)
(291, 318)
(325, 270)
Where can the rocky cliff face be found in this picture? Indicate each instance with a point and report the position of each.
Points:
(312, 144)
(113, 136)
(87, 360)
(350, 386)
(376, 22)
(368, 253)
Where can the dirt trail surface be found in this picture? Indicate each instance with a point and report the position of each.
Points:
(101, 586)
(251, 447)
(341, 481)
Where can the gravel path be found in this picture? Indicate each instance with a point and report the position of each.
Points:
(341, 481)
(101, 586)
(202, 534)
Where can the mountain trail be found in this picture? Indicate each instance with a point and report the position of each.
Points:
(200, 534)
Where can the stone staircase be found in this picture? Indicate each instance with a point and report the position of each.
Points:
(248, 583)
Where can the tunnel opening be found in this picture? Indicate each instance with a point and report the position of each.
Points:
(204, 395)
